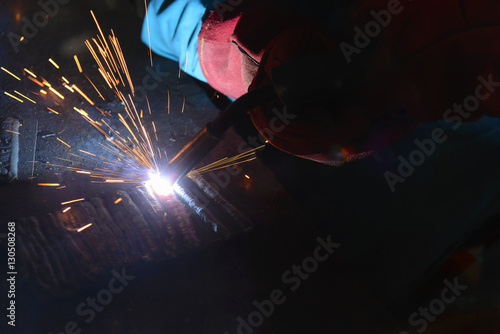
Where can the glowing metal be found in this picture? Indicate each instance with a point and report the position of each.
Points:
(158, 185)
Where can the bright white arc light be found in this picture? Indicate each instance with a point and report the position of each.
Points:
(158, 185)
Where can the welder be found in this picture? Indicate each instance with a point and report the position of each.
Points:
(399, 63)
(407, 62)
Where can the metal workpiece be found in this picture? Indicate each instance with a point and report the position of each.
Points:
(128, 228)
(9, 149)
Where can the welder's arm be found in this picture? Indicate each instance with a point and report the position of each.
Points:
(171, 28)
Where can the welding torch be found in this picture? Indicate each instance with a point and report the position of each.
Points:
(326, 75)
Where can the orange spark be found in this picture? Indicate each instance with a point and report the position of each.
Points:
(168, 104)
(149, 107)
(97, 90)
(87, 152)
(67, 209)
(105, 78)
(80, 111)
(56, 92)
(15, 76)
(149, 36)
(30, 73)
(53, 63)
(49, 184)
(64, 142)
(12, 96)
(85, 227)
(73, 201)
(14, 132)
(78, 64)
(82, 94)
(36, 81)
(27, 98)
(46, 83)
(118, 200)
(154, 128)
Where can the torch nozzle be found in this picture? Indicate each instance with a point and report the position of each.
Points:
(191, 154)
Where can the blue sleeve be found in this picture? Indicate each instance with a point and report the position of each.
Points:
(173, 32)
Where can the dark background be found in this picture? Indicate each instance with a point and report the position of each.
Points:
(393, 245)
